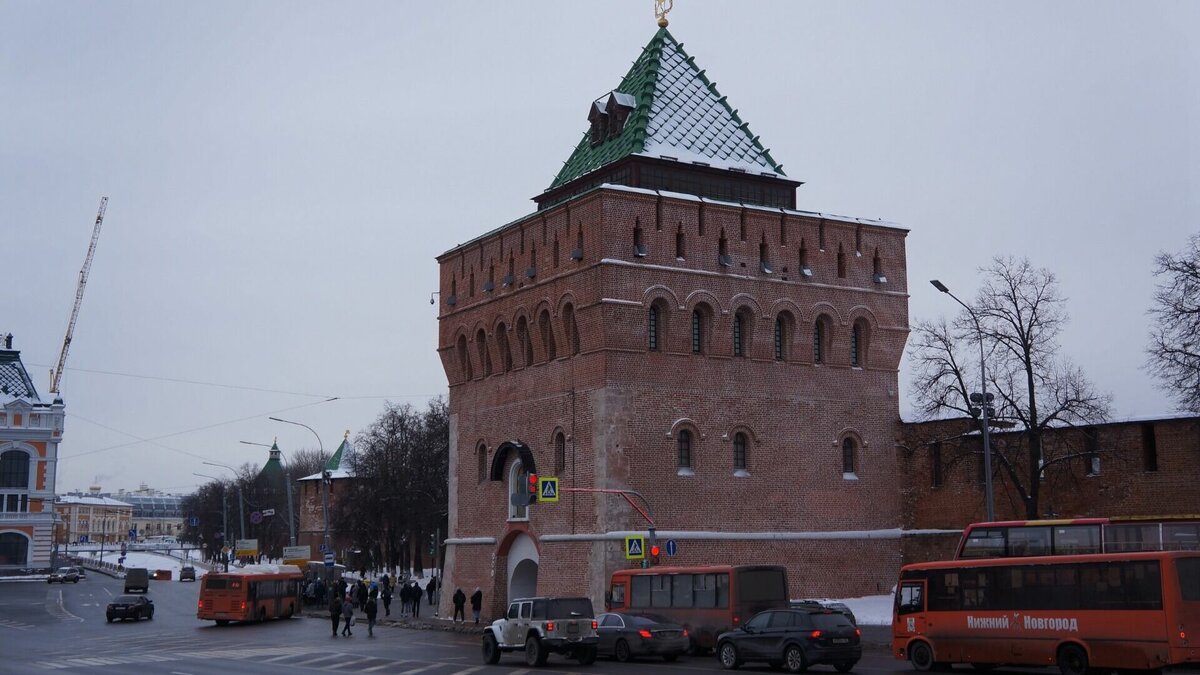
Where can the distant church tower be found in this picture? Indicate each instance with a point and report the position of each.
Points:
(668, 322)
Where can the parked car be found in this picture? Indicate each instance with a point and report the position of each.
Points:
(627, 636)
(538, 626)
(64, 574)
(130, 607)
(827, 604)
(137, 579)
(794, 639)
(187, 573)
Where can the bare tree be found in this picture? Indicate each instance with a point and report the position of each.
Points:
(1021, 313)
(1174, 352)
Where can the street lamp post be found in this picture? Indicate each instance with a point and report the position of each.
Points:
(224, 517)
(984, 402)
(325, 478)
(241, 499)
(287, 480)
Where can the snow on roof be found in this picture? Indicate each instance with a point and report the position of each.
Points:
(333, 475)
(14, 379)
(91, 501)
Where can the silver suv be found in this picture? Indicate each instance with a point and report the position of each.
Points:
(539, 626)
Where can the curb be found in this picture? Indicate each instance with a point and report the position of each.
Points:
(411, 624)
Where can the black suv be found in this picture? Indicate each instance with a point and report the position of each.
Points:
(794, 639)
(538, 626)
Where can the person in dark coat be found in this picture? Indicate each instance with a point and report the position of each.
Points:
(372, 611)
(430, 589)
(476, 603)
(385, 591)
(416, 600)
(361, 593)
(335, 611)
(348, 615)
(460, 600)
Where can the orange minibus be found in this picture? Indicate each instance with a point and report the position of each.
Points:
(252, 593)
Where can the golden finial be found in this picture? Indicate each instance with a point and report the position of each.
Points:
(661, 7)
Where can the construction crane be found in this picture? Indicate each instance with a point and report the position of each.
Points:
(56, 374)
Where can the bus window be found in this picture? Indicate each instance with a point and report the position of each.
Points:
(762, 585)
(681, 590)
(912, 597)
(984, 543)
(660, 590)
(1072, 539)
(618, 595)
(1131, 537)
(640, 597)
(704, 590)
(1181, 537)
(943, 591)
(976, 589)
(723, 591)
(1188, 570)
(1028, 541)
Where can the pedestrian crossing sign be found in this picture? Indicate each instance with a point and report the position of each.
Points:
(547, 489)
(635, 547)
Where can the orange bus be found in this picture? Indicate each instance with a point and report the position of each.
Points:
(1027, 538)
(707, 601)
(1122, 611)
(252, 593)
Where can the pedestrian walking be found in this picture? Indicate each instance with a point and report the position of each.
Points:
(335, 611)
(430, 589)
(416, 600)
(460, 599)
(405, 599)
(372, 611)
(476, 603)
(361, 593)
(348, 615)
(386, 593)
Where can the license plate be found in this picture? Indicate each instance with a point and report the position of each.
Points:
(841, 641)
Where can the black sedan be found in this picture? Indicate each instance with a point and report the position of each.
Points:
(794, 639)
(625, 636)
(130, 607)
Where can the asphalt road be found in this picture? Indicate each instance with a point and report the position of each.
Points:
(56, 627)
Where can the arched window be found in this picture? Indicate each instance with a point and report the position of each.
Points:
(738, 322)
(701, 319)
(506, 361)
(859, 339)
(560, 453)
(14, 469)
(820, 339)
(849, 450)
(652, 328)
(14, 548)
(517, 484)
(684, 447)
(639, 245)
(481, 462)
(854, 336)
(485, 357)
(739, 451)
(782, 336)
(547, 331)
(571, 328)
(464, 359)
(525, 343)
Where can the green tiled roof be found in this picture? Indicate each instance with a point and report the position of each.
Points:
(679, 114)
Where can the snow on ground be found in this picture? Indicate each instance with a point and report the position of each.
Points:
(873, 610)
(151, 561)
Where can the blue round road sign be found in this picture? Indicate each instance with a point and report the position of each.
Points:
(672, 547)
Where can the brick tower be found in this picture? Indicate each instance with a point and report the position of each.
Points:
(668, 322)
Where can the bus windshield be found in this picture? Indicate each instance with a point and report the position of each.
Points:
(762, 585)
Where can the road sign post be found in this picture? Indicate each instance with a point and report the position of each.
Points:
(547, 489)
(635, 547)
(672, 547)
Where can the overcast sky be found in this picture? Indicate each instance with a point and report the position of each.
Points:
(281, 176)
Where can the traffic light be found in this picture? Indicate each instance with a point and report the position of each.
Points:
(533, 488)
(654, 552)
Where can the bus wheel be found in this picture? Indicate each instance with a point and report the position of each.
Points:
(728, 655)
(793, 660)
(1072, 660)
(921, 656)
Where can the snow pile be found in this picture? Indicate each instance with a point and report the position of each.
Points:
(873, 610)
(151, 561)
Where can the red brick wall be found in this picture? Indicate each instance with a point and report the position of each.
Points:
(620, 405)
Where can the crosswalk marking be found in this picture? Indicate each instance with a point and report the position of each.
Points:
(422, 669)
(389, 664)
(347, 664)
(469, 670)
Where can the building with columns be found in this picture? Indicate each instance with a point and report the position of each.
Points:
(30, 431)
(669, 321)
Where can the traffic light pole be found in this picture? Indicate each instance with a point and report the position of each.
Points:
(646, 512)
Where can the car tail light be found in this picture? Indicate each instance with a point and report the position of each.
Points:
(199, 604)
(814, 635)
(646, 634)
(595, 625)
(549, 626)
(858, 632)
(243, 605)
(736, 619)
(685, 632)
